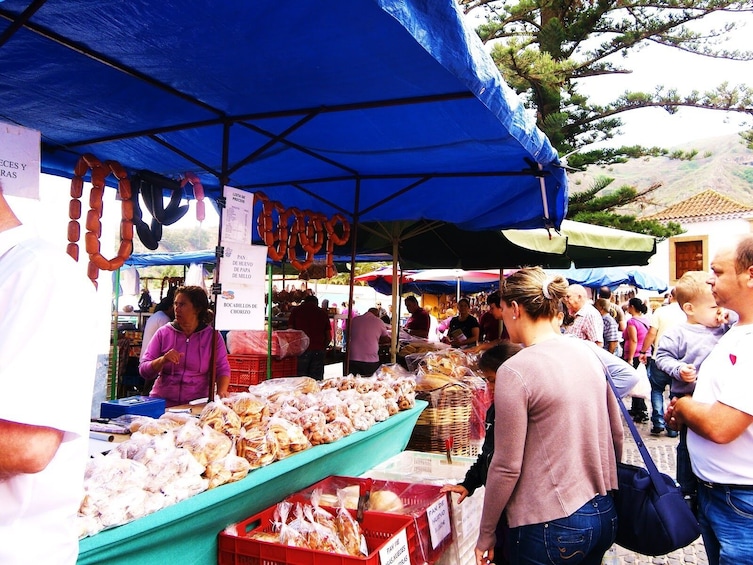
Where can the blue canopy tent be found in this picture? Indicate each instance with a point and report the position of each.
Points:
(381, 110)
(613, 277)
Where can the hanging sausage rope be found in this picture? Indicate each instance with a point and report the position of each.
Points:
(198, 193)
(284, 230)
(99, 173)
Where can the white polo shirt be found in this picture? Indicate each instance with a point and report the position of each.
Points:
(47, 367)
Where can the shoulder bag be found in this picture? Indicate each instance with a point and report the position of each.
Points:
(653, 518)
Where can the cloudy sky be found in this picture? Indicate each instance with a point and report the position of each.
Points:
(658, 65)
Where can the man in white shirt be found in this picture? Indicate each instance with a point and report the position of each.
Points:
(719, 416)
(47, 366)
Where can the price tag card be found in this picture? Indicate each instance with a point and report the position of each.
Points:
(439, 521)
(395, 551)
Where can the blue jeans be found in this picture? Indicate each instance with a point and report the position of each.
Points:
(583, 537)
(659, 381)
(726, 518)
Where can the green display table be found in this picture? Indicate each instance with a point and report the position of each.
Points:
(186, 533)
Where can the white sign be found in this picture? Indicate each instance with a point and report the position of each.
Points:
(395, 551)
(237, 216)
(243, 264)
(439, 521)
(20, 152)
(240, 307)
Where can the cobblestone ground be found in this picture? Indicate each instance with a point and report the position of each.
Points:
(662, 450)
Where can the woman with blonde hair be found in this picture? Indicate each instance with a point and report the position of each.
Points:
(553, 466)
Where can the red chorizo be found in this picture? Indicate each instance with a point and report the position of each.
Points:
(91, 242)
(74, 209)
(72, 250)
(74, 231)
(126, 230)
(77, 187)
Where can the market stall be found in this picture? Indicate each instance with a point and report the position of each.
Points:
(187, 532)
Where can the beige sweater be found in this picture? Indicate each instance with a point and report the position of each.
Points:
(558, 435)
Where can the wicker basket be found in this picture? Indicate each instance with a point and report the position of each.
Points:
(447, 416)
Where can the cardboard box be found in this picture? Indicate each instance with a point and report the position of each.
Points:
(140, 405)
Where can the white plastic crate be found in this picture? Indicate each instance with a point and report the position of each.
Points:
(433, 469)
(423, 468)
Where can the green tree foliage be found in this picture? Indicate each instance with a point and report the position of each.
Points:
(544, 47)
(591, 207)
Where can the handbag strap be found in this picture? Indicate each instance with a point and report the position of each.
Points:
(660, 486)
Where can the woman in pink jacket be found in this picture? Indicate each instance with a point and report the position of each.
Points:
(180, 353)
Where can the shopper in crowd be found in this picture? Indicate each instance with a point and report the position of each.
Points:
(314, 322)
(179, 355)
(719, 416)
(347, 313)
(492, 302)
(145, 301)
(382, 313)
(633, 337)
(587, 323)
(463, 329)
(614, 310)
(611, 332)
(47, 366)
(490, 360)
(367, 333)
(418, 322)
(164, 313)
(557, 501)
(663, 319)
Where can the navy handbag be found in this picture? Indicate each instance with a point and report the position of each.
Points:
(653, 518)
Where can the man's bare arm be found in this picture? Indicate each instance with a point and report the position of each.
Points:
(25, 448)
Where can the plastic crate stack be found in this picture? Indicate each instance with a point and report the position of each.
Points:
(433, 469)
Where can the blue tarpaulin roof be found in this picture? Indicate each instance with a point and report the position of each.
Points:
(380, 109)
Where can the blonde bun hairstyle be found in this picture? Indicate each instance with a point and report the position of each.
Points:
(536, 292)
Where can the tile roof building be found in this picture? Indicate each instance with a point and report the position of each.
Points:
(708, 205)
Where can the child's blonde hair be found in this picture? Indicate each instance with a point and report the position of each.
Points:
(691, 286)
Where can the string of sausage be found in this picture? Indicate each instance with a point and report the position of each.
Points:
(99, 173)
(281, 236)
(198, 192)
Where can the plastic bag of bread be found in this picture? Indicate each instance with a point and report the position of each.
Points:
(258, 446)
(385, 501)
(349, 531)
(221, 418)
(178, 418)
(250, 408)
(321, 515)
(313, 422)
(229, 469)
(210, 446)
(322, 536)
(271, 389)
(152, 426)
(338, 428)
(290, 436)
(292, 531)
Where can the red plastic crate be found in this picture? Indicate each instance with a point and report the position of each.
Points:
(416, 499)
(247, 370)
(238, 549)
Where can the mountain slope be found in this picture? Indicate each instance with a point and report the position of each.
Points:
(721, 163)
